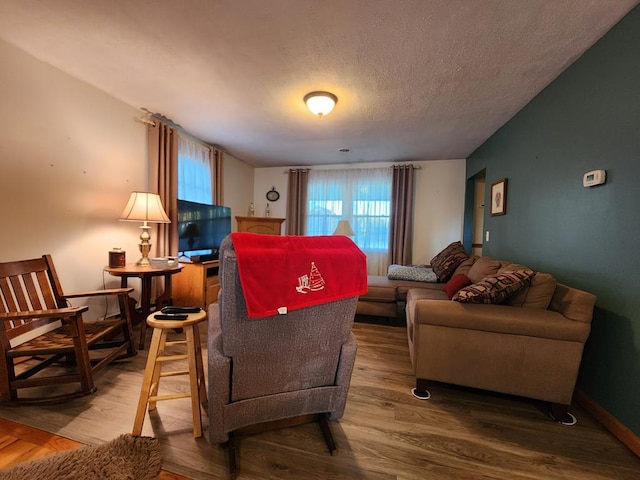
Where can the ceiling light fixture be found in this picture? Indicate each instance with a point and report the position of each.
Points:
(320, 103)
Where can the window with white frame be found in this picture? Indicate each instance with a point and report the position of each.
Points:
(361, 196)
(194, 171)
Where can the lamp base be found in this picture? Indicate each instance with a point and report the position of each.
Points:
(143, 262)
(145, 247)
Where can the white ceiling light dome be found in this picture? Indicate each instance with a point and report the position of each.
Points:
(320, 103)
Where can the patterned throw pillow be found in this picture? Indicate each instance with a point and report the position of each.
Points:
(445, 262)
(495, 288)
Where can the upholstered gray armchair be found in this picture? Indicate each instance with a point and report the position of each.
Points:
(280, 366)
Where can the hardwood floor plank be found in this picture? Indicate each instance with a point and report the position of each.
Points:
(385, 434)
(19, 443)
(14, 451)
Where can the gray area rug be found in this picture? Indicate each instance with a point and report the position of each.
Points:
(125, 458)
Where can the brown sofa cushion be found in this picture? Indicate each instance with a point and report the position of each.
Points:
(465, 266)
(536, 295)
(381, 289)
(445, 262)
(483, 267)
(494, 288)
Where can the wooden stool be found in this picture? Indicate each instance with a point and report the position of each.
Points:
(152, 373)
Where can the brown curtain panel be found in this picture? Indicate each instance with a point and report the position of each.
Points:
(401, 224)
(216, 173)
(163, 180)
(297, 200)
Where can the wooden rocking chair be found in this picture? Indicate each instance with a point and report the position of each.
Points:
(39, 327)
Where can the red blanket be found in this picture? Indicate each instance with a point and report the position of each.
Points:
(281, 273)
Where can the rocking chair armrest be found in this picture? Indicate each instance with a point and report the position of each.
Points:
(54, 312)
(97, 293)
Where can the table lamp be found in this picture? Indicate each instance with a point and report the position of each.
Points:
(344, 228)
(144, 207)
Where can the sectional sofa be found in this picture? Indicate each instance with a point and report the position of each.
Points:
(493, 325)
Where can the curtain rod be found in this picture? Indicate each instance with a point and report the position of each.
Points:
(415, 167)
(149, 116)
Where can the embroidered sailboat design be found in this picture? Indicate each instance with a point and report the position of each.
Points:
(312, 282)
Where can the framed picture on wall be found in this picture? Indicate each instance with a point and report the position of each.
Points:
(499, 197)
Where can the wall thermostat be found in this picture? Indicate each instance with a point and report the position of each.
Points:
(594, 177)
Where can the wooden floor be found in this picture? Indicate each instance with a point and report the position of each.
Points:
(384, 434)
(20, 443)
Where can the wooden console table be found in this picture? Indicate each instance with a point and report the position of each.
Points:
(198, 286)
(264, 225)
(145, 274)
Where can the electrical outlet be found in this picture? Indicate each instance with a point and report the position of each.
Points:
(486, 236)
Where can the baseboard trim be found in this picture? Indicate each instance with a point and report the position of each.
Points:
(608, 421)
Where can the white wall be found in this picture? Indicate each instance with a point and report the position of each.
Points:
(439, 201)
(70, 155)
(439, 207)
(238, 187)
(265, 179)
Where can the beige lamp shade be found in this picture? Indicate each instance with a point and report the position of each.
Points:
(144, 207)
(344, 228)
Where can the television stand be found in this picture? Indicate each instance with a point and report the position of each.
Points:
(197, 285)
(204, 258)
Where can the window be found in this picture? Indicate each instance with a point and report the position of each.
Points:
(361, 196)
(194, 171)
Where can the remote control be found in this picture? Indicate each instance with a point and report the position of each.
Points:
(171, 316)
(175, 309)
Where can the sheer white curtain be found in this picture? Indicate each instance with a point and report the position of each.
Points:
(361, 196)
(194, 171)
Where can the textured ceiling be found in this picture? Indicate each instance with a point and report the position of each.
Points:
(416, 79)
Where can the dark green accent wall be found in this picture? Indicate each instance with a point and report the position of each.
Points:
(589, 238)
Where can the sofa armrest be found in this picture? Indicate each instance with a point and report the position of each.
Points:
(506, 319)
(573, 303)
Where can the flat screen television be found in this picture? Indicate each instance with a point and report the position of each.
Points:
(201, 229)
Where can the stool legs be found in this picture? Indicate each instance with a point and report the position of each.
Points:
(153, 372)
(204, 400)
(157, 367)
(194, 383)
(147, 381)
